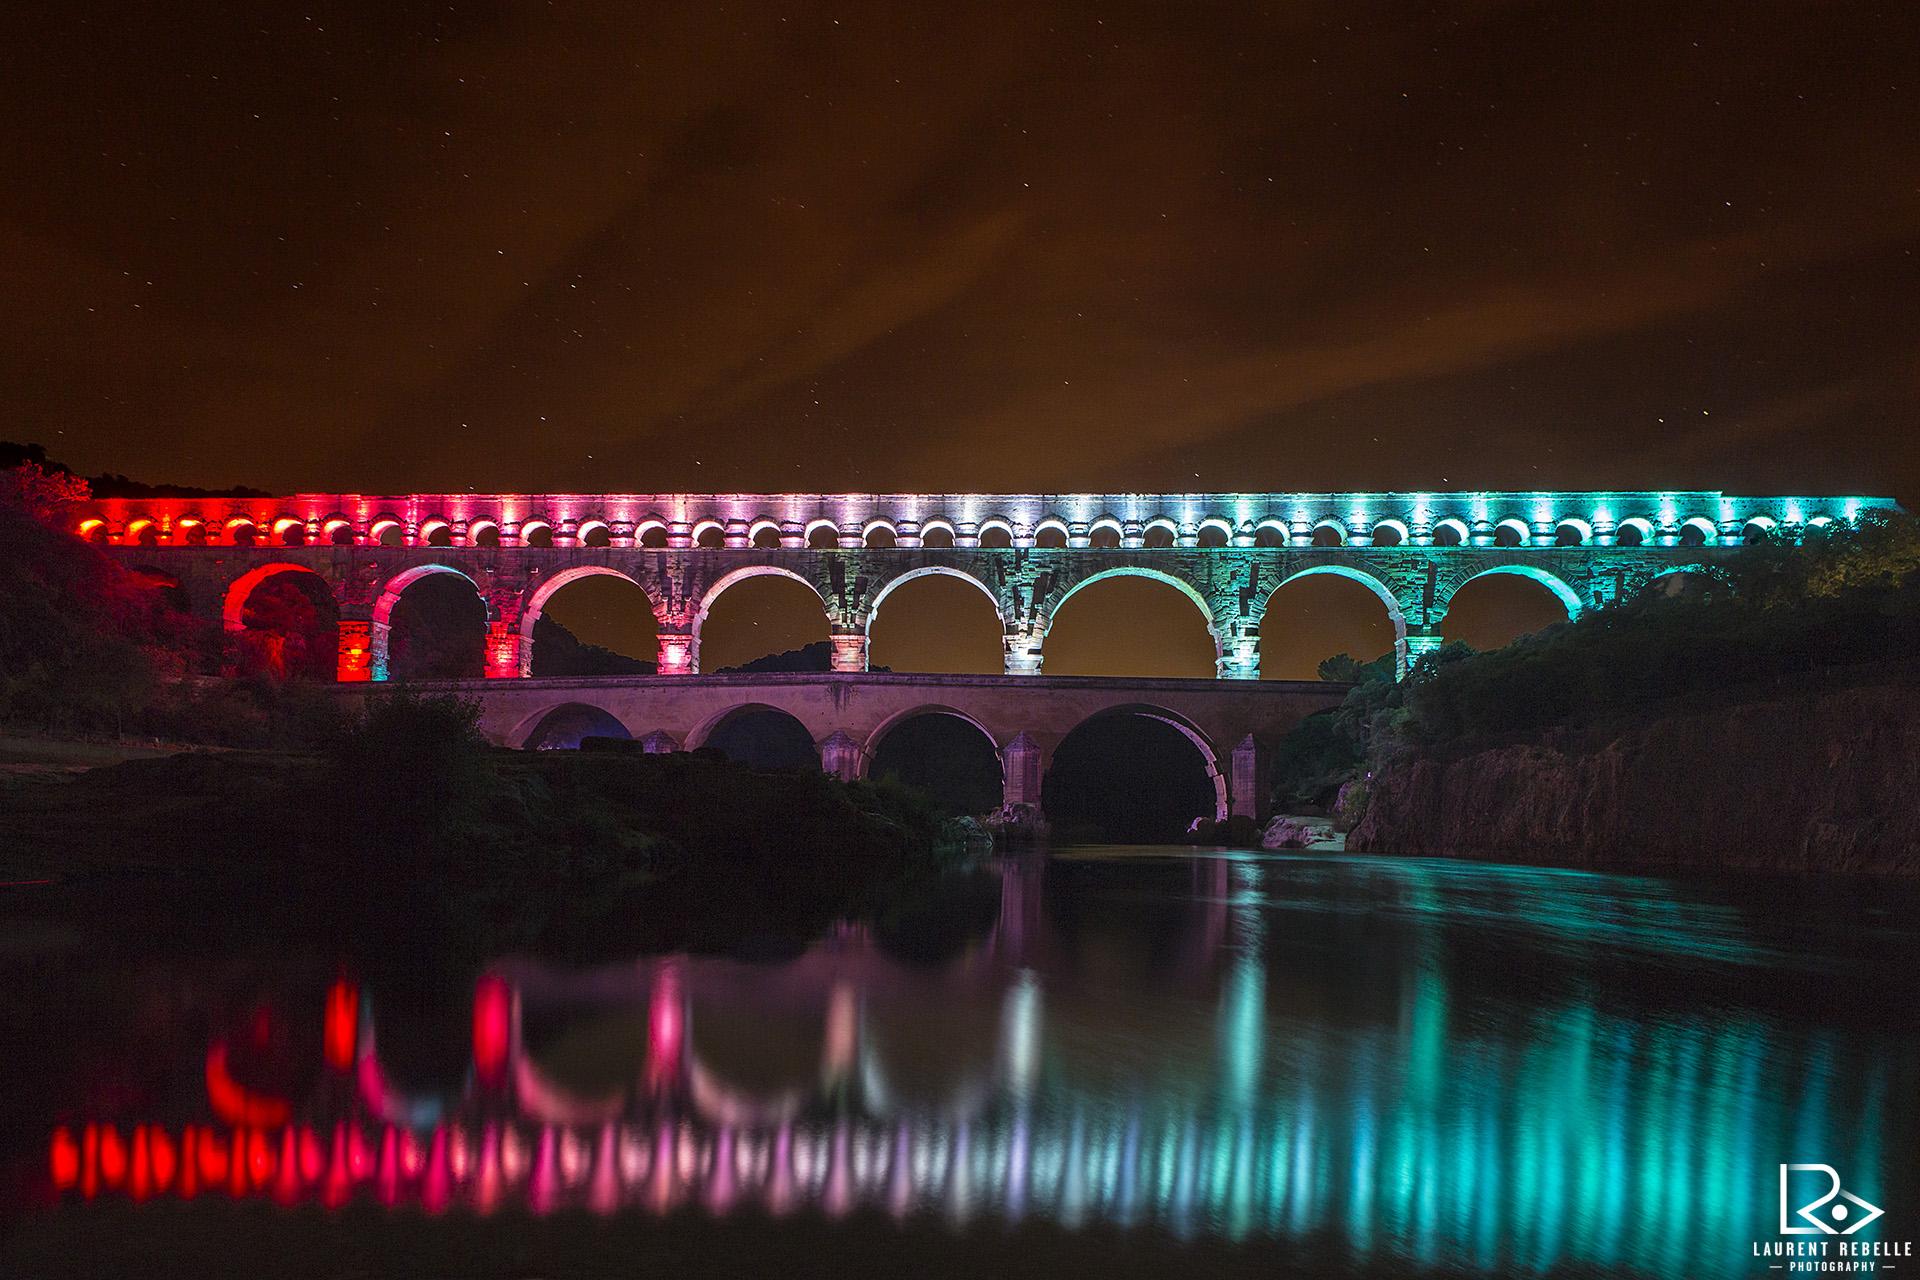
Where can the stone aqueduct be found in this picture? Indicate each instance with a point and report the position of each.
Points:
(1026, 553)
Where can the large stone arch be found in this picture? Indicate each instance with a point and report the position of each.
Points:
(1055, 603)
(390, 593)
(931, 571)
(898, 718)
(529, 728)
(1564, 593)
(703, 732)
(233, 608)
(1395, 614)
(734, 578)
(534, 603)
(1216, 763)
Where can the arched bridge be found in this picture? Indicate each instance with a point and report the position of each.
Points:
(1026, 553)
(1232, 723)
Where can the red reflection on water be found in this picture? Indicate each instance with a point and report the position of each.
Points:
(341, 1024)
(236, 1105)
(63, 1160)
(492, 1027)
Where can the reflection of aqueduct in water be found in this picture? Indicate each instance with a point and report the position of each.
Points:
(1594, 1141)
(1027, 555)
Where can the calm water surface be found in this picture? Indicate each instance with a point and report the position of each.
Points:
(1401, 1065)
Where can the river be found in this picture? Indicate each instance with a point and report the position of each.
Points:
(1136, 1059)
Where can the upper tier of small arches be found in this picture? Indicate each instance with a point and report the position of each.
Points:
(822, 522)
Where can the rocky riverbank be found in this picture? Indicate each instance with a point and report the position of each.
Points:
(1814, 781)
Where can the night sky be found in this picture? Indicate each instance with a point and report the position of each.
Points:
(390, 246)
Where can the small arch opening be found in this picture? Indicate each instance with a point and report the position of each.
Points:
(946, 756)
(1386, 534)
(440, 535)
(767, 537)
(1212, 537)
(1127, 777)
(1316, 616)
(881, 537)
(388, 535)
(536, 535)
(341, 535)
(766, 622)
(823, 537)
(1329, 535)
(1494, 609)
(1104, 536)
(596, 535)
(293, 534)
(764, 738)
(1631, 533)
(1270, 534)
(1129, 624)
(1157, 536)
(565, 727)
(654, 537)
(937, 623)
(937, 536)
(438, 630)
(711, 537)
(996, 535)
(290, 626)
(1050, 536)
(193, 533)
(1509, 535)
(596, 624)
(1449, 533)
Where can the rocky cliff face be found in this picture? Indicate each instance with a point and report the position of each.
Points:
(1820, 781)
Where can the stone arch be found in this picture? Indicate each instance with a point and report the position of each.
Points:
(1568, 597)
(973, 781)
(1402, 535)
(763, 526)
(930, 571)
(1053, 525)
(535, 603)
(536, 531)
(241, 531)
(233, 609)
(1365, 579)
(879, 524)
(937, 532)
(93, 530)
(331, 528)
(378, 530)
(1708, 531)
(478, 533)
(828, 527)
(1581, 530)
(1161, 531)
(1642, 528)
(650, 532)
(734, 578)
(710, 534)
(1210, 756)
(995, 524)
(1185, 588)
(899, 718)
(1455, 527)
(704, 732)
(594, 528)
(1522, 531)
(141, 532)
(1330, 524)
(1109, 525)
(431, 530)
(1272, 532)
(1214, 532)
(567, 722)
(390, 593)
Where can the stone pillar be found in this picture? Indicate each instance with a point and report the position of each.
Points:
(356, 650)
(503, 650)
(1418, 646)
(675, 654)
(849, 648)
(1251, 781)
(1545, 533)
(1239, 655)
(841, 756)
(1023, 652)
(1024, 767)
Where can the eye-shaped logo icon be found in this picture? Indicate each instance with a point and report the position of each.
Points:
(1837, 1212)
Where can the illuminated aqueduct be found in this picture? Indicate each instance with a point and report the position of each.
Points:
(1026, 553)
